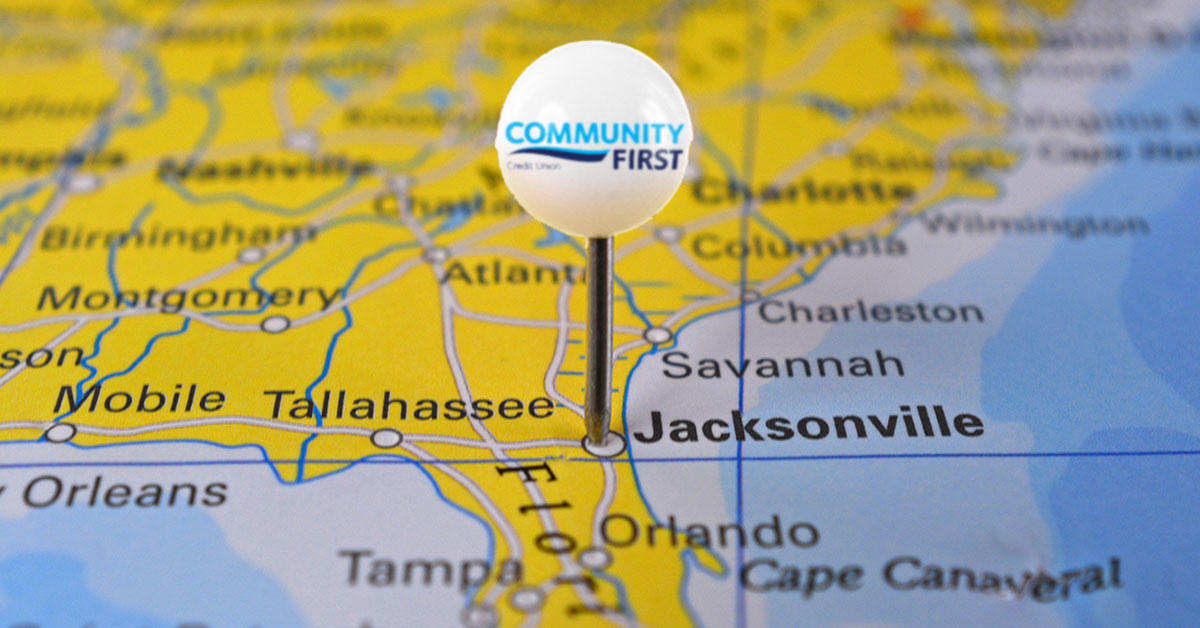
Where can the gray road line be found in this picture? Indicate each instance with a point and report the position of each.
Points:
(506, 529)
(275, 424)
(59, 339)
(560, 347)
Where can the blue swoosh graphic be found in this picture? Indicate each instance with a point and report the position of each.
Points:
(565, 153)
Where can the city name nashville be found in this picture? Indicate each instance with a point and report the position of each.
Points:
(919, 422)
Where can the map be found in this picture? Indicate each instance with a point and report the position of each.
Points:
(914, 344)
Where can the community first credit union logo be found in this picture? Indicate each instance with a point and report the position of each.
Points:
(659, 144)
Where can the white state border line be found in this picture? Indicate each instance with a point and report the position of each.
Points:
(138, 430)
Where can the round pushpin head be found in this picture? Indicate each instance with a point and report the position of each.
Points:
(593, 138)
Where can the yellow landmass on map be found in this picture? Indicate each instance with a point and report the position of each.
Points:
(384, 248)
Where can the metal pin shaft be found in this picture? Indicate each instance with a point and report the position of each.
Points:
(597, 410)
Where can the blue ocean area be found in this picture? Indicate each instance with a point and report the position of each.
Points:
(151, 568)
(1142, 510)
(1103, 349)
(1097, 360)
(50, 589)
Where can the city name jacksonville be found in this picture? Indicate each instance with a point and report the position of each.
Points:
(919, 421)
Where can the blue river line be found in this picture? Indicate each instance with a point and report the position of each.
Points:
(116, 288)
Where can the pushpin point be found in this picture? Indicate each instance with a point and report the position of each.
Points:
(593, 141)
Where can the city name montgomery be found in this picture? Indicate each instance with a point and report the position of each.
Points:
(171, 301)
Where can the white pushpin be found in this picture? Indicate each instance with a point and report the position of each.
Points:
(593, 141)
